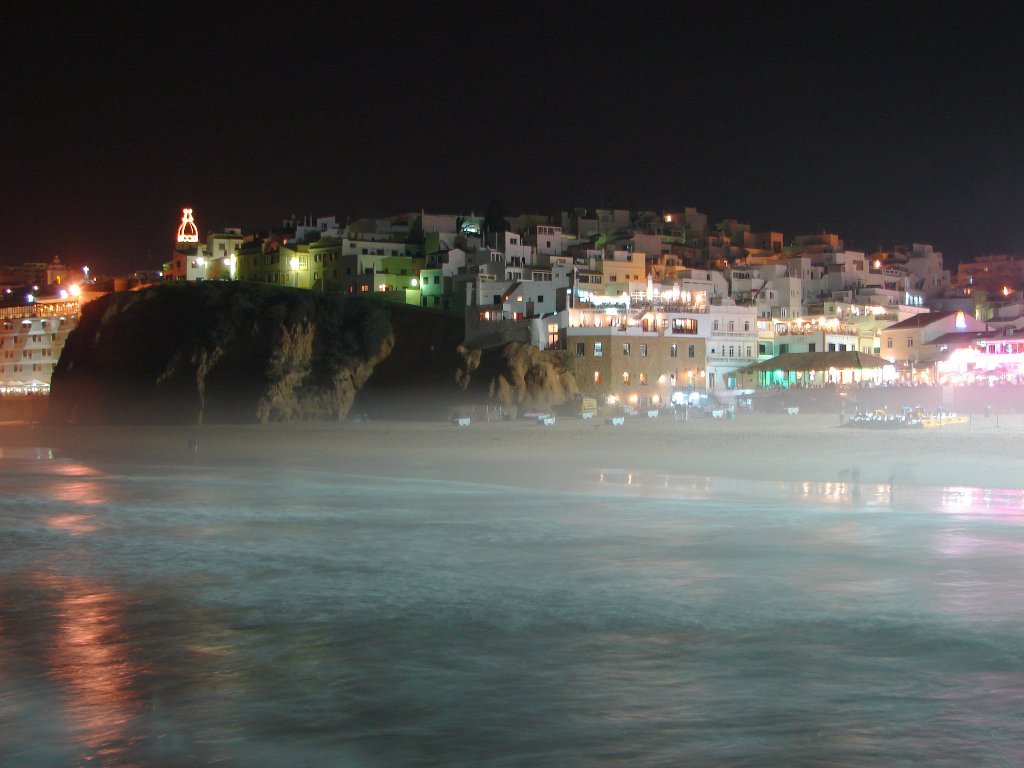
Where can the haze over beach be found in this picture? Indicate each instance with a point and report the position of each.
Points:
(769, 590)
(986, 452)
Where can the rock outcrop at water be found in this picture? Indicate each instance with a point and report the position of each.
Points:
(518, 376)
(217, 352)
(247, 353)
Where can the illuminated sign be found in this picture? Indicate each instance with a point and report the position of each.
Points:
(961, 321)
(187, 232)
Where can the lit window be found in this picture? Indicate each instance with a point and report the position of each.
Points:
(625, 378)
(598, 349)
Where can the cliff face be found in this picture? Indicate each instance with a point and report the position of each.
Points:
(429, 371)
(517, 376)
(217, 352)
(243, 353)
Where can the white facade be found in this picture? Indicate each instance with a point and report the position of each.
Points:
(31, 339)
(731, 343)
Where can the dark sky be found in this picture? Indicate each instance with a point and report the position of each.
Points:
(884, 125)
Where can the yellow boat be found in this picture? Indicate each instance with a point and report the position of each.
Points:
(941, 421)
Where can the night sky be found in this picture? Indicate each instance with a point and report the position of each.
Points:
(886, 126)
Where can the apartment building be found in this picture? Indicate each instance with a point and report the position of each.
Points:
(32, 335)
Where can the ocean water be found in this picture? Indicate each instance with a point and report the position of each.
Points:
(243, 617)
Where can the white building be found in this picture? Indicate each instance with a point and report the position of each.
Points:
(32, 336)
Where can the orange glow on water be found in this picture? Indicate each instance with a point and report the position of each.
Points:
(73, 524)
(89, 657)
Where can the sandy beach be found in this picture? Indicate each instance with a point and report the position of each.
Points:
(987, 452)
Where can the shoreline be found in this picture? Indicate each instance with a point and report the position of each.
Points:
(809, 447)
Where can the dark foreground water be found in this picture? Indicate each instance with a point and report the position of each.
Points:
(281, 618)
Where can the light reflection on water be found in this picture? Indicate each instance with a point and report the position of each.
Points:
(89, 659)
(241, 618)
(1006, 503)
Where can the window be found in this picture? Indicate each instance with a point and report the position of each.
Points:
(598, 349)
(811, 347)
(643, 350)
(643, 379)
(888, 342)
(684, 325)
(731, 354)
(910, 342)
(581, 349)
(746, 325)
(732, 325)
(673, 351)
(715, 326)
(625, 378)
(625, 350)
(691, 350)
(597, 377)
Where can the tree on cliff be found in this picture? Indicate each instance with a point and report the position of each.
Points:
(494, 219)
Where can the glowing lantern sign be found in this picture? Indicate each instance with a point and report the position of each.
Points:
(187, 232)
(960, 321)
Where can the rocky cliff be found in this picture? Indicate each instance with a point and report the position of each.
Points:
(238, 353)
(220, 352)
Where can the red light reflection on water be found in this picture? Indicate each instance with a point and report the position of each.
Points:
(72, 524)
(78, 484)
(1004, 503)
(90, 657)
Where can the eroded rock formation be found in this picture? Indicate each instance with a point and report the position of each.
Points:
(245, 353)
(218, 352)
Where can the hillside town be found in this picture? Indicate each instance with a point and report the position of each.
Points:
(646, 309)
